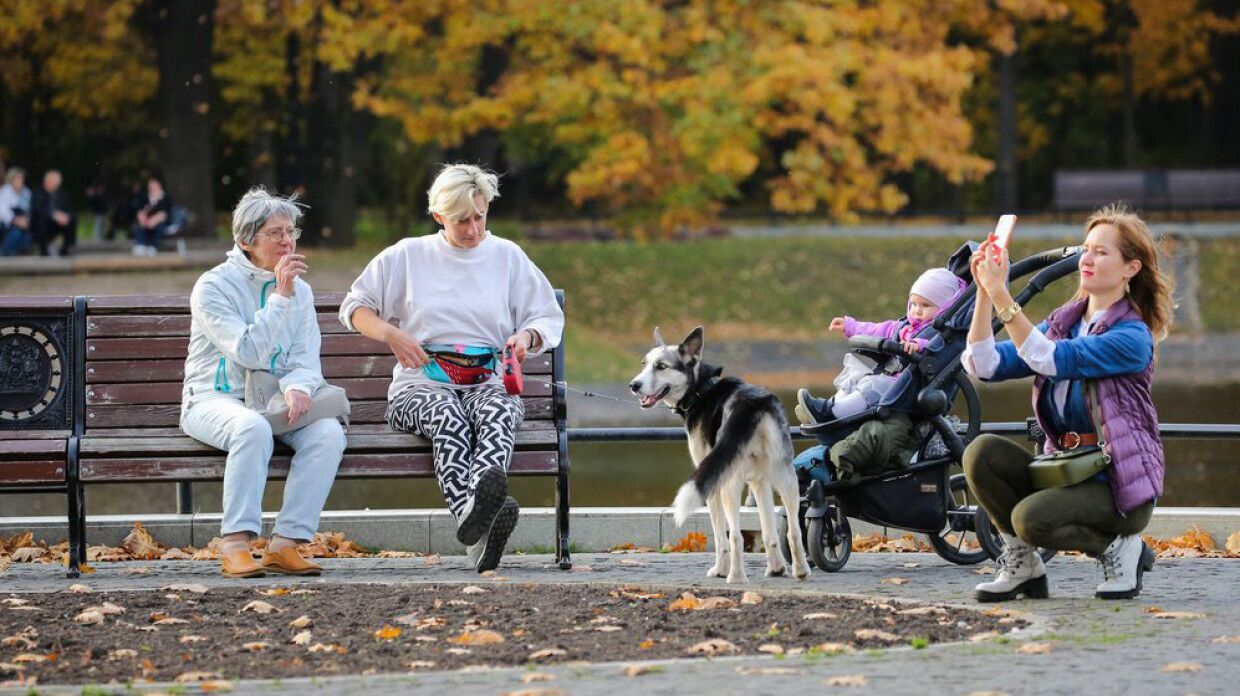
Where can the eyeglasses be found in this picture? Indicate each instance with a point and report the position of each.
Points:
(275, 234)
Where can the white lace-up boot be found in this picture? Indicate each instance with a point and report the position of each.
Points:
(1122, 565)
(1021, 572)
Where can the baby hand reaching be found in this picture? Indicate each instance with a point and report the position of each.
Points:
(911, 346)
(837, 324)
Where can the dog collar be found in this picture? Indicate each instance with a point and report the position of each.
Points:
(690, 399)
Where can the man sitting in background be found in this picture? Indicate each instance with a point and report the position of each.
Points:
(52, 216)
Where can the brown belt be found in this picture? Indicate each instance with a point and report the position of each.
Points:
(1072, 440)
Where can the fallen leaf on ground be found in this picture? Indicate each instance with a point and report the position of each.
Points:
(689, 543)
(1182, 667)
(645, 644)
(258, 606)
(108, 609)
(78, 588)
(608, 628)
(922, 611)
(170, 621)
(89, 618)
(1233, 542)
(638, 670)
(195, 676)
(636, 593)
(771, 649)
(14, 602)
(420, 664)
(820, 615)
(1035, 648)
(29, 554)
(187, 639)
(196, 588)
(714, 646)
(141, 545)
(750, 597)
(176, 555)
(875, 634)
(473, 589)
(302, 638)
(301, 622)
(847, 680)
(122, 654)
(430, 622)
(578, 568)
(687, 602)
(894, 581)
(27, 644)
(716, 603)
(327, 647)
(216, 685)
(30, 657)
(458, 651)
(537, 677)
(834, 648)
(756, 671)
(276, 591)
(984, 570)
(481, 636)
(256, 646)
(1226, 639)
(388, 632)
(1160, 613)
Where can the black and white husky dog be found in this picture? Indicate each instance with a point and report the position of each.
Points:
(738, 435)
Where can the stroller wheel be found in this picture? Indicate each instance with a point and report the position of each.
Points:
(829, 541)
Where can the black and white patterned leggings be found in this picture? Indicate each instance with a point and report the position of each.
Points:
(470, 430)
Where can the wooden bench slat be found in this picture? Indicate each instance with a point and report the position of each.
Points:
(358, 428)
(170, 392)
(165, 415)
(164, 304)
(35, 434)
(177, 346)
(14, 448)
(116, 470)
(334, 367)
(18, 302)
(358, 442)
(127, 325)
(21, 473)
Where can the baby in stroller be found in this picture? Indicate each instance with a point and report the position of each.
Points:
(857, 386)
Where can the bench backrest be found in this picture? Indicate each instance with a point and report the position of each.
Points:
(1149, 188)
(135, 358)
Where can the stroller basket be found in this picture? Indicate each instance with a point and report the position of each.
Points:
(910, 499)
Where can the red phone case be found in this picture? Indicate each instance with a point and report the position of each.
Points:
(514, 383)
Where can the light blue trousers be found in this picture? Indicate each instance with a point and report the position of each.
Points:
(225, 423)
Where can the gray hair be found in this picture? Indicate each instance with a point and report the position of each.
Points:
(453, 192)
(256, 207)
(13, 173)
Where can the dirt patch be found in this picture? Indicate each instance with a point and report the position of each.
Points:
(350, 629)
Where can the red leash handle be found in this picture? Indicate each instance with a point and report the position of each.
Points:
(514, 383)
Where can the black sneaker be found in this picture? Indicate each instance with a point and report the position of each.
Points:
(485, 554)
(481, 509)
(812, 410)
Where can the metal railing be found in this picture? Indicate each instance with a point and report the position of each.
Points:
(1195, 431)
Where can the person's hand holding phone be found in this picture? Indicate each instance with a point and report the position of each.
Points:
(1002, 235)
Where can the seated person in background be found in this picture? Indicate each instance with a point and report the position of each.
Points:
(933, 292)
(14, 213)
(52, 216)
(153, 217)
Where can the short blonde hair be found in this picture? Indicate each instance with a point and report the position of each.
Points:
(453, 192)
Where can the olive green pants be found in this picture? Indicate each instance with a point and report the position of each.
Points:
(1073, 518)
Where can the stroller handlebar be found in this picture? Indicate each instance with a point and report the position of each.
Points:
(882, 345)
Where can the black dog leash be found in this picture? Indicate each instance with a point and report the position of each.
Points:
(583, 392)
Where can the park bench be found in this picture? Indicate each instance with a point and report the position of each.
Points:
(1152, 189)
(132, 354)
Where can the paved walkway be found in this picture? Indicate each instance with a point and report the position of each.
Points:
(1099, 647)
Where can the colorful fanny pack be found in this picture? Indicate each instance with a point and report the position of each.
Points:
(457, 364)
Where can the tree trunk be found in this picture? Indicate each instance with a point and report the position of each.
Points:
(1129, 111)
(182, 32)
(1006, 184)
(337, 136)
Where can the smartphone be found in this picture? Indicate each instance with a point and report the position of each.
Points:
(1002, 234)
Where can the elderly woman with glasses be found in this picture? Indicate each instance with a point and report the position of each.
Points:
(253, 312)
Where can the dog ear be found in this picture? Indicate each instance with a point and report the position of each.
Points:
(691, 347)
(658, 338)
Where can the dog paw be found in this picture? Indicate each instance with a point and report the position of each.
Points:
(714, 572)
(801, 572)
(775, 572)
(738, 578)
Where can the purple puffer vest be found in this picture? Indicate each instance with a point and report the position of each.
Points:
(1128, 414)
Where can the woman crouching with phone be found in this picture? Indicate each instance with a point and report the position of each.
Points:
(1093, 363)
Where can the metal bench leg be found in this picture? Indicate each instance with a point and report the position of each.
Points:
(77, 512)
(561, 520)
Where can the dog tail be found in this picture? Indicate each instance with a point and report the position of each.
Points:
(736, 430)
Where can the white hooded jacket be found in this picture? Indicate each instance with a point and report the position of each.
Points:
(240, 323)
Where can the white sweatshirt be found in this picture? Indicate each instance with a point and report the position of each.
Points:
(441, 294)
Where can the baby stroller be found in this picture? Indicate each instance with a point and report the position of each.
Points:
(930, 495)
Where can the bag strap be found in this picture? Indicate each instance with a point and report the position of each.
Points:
(1095, 415)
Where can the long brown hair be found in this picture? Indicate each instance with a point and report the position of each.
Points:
(1150, 289)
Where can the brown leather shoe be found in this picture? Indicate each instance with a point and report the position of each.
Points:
(289, 562)
(240, 564)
